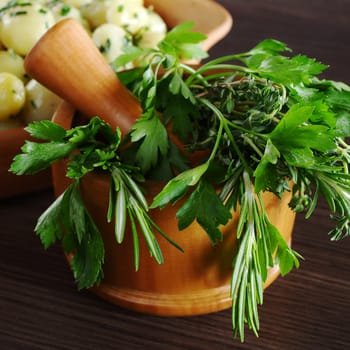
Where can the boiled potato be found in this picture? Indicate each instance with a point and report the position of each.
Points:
(78, 3)
(95, 12)
(62, 11)
(110, 40)
(154, 32)
(22, 26)
(40, 103)
(131, 18)
(12, 96)
(12, 63)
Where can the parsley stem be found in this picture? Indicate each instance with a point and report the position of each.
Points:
(244, 130)
(250, 142)
(342, 143)
(187, 68)
(219, 132)
(227, 58)
(223, 124)
(344, 150)
(226, 69)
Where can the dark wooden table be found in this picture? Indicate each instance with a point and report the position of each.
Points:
(40, 307)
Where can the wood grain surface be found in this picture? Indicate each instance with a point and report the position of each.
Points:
(40, 307)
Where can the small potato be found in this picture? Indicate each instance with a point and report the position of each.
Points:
(131, 18)
(154, 32)
(62, 11)
(78, 3)
(12, 96)
(110, 40)
(95, 12)
(40, 103)
(122, 5)
(23, 25)
(12, 63)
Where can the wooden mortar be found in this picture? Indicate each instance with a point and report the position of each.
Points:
(194, 282)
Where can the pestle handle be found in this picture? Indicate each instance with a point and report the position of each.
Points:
(67, 62)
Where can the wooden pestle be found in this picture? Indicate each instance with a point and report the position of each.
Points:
(67, 62)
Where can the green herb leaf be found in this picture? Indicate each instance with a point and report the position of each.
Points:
(178, 87)
(154, 139)
(177, 187)
(177, 109)
(120, 212)
(204, 206)
(183, 42)
(39, 156)
(81, 236)
(86, 242)
(295, 138)
(46, 227)
(148, 234)
(286, 258)
(270, 47)
(287, 71)
(265, 176)
(77, 211)
(46, 130)
(88, 257)
(130, 54)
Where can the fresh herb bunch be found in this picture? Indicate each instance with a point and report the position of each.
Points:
(263, 120)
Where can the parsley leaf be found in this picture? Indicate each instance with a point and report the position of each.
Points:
(154, 139)
(88, 254)
(265, 176)
(183, 43)
(210, 214)
(68, 219)
(180, 111)
(296, 139)
(46, 130)
(46, 227)
(281, 69)
(39, 156)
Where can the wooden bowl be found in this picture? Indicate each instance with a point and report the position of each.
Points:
(194, 282)
(173, 13)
